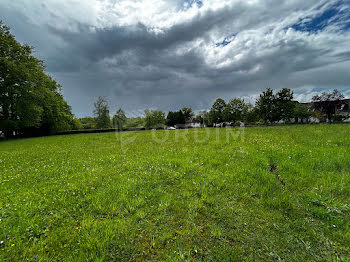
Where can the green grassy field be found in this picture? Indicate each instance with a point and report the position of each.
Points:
(264, 193)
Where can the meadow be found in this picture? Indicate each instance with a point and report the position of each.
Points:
(260, 193)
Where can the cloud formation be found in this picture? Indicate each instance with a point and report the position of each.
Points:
(168, 54)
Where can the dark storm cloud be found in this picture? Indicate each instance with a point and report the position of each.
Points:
(94, 45)
(174, 60)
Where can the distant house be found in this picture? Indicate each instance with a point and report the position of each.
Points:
(343, 109)
(193, 123)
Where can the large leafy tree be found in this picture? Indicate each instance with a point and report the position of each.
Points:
(266, 105)
(30, 100)
(284, 104)
(101, 113)
(154, 119)
(77, 124)
(252, 115)
(119, 119)
(274, 107)
(205, 118)
(235, 110)
(187, 113)
(216, 113)
(327, 103)
(175, 118)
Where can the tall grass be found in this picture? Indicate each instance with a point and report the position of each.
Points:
(264, 193)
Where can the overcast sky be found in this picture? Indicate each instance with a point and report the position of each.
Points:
(169, 54)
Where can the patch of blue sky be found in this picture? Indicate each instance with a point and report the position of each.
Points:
(337, 15)
(190, 3)
(226, 40)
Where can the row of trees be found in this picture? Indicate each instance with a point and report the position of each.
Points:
(102, 118)
(30, 100)
(272, 107)
(152, 118)
(269, 108)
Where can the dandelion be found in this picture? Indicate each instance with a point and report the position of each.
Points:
(12, 245)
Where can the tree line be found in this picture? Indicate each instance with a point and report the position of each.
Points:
(270, 107)
(31, 103)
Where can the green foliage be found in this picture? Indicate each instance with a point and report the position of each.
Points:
(284, 104)
(154, 119)
(205, 118)
(101, 113)
(266, 106)
(180, 195)
(119, 119)
(216, 113)
(275, 107)
(179, 117)
(235, 110)
(30, 100)
(136, 122)
(252, 115)
(88, 122)
(302, 111)
(77, 125)
(176, 118)
(187, 113)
